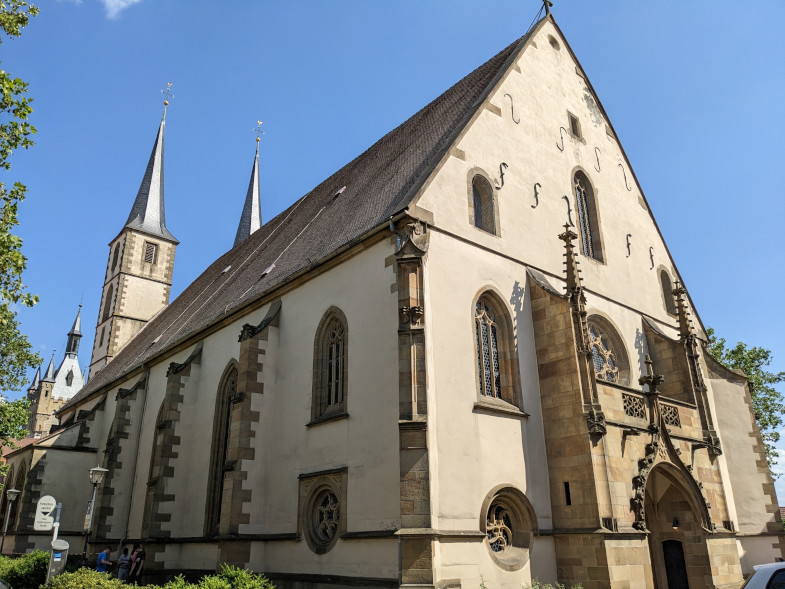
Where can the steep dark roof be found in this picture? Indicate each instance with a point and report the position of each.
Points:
(378, 184)
(147, 213)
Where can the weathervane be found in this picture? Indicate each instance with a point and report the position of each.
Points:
(258, 131)
(167, 95)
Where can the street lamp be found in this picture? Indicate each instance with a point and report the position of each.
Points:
(96, 478)
(11, 495)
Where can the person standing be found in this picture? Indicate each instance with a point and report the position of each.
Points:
(124, 565)
(103, 560)
(137, 567)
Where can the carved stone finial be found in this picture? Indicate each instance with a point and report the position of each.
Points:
(685, 323)
(548, 5)
(713, 444)
(571, 262)
(651, 379)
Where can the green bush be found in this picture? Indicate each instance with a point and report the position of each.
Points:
(227, 578)
(536, 584)
(25, 572)
(82, 579)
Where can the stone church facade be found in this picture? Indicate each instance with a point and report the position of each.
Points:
(466, 357)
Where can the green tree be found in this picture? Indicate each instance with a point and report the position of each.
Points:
(16, 354)
(15, 132)
(767, 402)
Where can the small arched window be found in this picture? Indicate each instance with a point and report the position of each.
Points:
(483, 204)
(330, 365)
(667, 292)
(586, 205)
(108, 303)
(115, 256)
(222, 426)
(607, 351)
(496, 360)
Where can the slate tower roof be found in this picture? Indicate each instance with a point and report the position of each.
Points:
(251, 218)
(147, 214)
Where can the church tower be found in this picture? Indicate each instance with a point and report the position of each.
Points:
(51, 392)
(251, 218)
(138, 277)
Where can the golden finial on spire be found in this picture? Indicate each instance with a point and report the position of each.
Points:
(167, 95)
(258, 131)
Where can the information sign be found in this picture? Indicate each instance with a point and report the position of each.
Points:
(43, 514)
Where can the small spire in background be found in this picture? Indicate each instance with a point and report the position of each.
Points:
(167, 95)
(251, 217)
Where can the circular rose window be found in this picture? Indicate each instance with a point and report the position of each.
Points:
(322, 518)
(508, 527)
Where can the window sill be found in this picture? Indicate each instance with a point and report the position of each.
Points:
(327, 418)
(499, 407)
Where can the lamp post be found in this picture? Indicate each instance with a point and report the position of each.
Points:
(11, 495)
(96, 478)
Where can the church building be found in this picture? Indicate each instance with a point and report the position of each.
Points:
(465, 359)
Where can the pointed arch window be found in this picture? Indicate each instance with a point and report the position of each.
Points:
(222, 425)
(108, 302)
(588, 222)
(667, 292)
(496, 360)
(115, 256)
(330, 366)
(483, 205)
(9, 479)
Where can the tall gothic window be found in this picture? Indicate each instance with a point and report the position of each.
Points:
(8, 484)
(483, 204)
(108, 302)
(330, 365)
(667, 292)
(586, 205)
(496, 360)
(222, 426)
(115, 256)
(607, 351)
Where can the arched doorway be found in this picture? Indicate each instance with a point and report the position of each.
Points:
(677, 522)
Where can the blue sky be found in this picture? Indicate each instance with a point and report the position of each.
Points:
(694, 90)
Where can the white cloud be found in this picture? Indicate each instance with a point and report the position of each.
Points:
(115, 7)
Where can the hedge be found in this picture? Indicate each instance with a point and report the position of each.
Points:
(25, 572)
(227, 578)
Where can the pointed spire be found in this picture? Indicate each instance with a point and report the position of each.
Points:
(147, 214)
(76, 328)
(36, 380)
(75, 335)
(50, 371)
(251, 218)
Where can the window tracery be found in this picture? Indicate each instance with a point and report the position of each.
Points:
(509, 525)
(486, 332)
(587, 216)
(330, 365)
(603, 356)
(495, 358)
